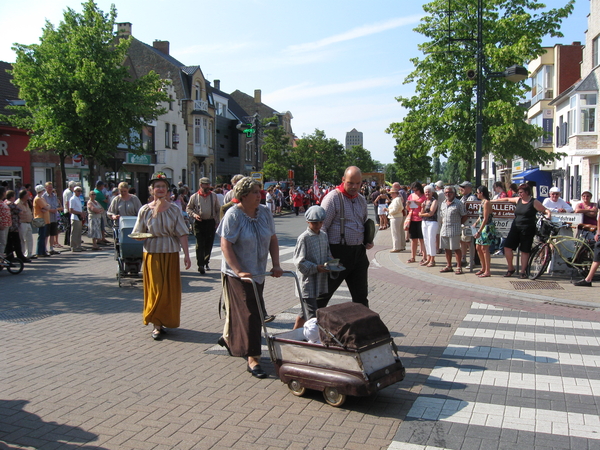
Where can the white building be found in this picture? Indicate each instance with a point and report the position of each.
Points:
(353, 138)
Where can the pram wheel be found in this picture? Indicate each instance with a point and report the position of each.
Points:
(297, 389)
(333, 397)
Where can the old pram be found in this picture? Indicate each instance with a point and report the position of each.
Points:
(128, 251)
(357, 355)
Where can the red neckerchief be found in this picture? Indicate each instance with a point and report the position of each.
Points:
(344, 193)
(202, 193)
(235, 200)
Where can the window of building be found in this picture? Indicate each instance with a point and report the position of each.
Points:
(197, 131)
(147, 139)
(175, 139)
(541, 84)
(582, 115)
(170, 102)
(210, 135)
(167, 135)
(205, 131)
(595, 43)
(249, 151)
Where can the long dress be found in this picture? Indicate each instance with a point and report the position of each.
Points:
(95, 224)
(250, 238)
(161, 272)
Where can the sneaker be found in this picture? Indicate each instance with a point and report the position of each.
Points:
(583, 283)
(54, 252)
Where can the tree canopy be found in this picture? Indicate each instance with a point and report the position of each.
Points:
(80, 99)
(441, 116)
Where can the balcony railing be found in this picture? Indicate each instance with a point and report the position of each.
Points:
(200, 105)
(201, 150)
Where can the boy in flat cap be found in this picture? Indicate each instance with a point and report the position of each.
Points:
(310, 255)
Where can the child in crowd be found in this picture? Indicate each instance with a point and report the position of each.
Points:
(310, 255)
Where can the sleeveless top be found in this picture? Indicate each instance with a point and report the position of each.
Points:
(525, 215)
(382, 201)
(427, 208)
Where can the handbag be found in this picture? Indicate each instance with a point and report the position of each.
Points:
(38, 222)
(369, 232)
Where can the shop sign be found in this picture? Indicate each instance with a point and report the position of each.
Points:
(3, 148)
(132, 158)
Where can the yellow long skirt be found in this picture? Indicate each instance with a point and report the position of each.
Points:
(162, 289)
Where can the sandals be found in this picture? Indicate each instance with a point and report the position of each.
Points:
(458, 271)
(156, 335)
(446, 269)
(432, 264)
(509, 273)
(479, 272)
(423, 262)
(483, 275)
(523, 276)
(411, 260)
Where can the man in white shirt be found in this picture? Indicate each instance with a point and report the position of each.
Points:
(67, 194)
(556, 204)
(76, 210)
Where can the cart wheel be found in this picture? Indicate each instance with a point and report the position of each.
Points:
(333, 397)
(297, 389)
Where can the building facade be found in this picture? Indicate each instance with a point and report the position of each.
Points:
(353, 138)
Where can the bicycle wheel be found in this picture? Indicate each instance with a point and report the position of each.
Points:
(583, 260)
(538, 261)
(15, 267)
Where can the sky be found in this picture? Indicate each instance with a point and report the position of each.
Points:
(334, 64)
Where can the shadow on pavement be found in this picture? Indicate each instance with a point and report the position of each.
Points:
(28, 430)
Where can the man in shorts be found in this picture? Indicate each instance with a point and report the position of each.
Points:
(454, 214)
(52, 200)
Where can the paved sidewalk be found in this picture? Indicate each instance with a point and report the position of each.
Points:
(81, 371)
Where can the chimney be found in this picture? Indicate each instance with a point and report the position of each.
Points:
(162, 46)
(124, 29)
(257, 96)
(217, 84)
(576, 43)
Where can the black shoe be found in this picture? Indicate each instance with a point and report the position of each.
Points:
(156, 335)
(201, 270)
(26, 260)
(583, 283)
(223, 343)
(163, 330)
(54, 252)
(269, 318)
(257, 371)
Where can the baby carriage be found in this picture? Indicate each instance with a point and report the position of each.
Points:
(128, 252)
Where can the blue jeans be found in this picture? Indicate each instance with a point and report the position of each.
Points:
(41, 242)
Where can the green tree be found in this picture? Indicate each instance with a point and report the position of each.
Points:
(80, 99)
(360, 157)
(277, 148)
(442, 113)
(316, 150)
(411, 156)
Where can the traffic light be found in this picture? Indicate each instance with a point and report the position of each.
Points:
(246, 128)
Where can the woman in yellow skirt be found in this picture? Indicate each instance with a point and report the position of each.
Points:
(162, 280)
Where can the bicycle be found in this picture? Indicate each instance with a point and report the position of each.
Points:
(13, 266)
(575, 251)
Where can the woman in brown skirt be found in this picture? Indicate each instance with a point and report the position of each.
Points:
(162, 279)
(247, 237)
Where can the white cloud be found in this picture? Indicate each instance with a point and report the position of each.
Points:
(355, 33)
(306, 90)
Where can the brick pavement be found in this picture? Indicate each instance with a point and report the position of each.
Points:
(81, 371)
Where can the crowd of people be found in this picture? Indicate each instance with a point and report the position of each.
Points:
(430, 217)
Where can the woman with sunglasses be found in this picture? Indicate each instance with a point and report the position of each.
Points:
(522, 230)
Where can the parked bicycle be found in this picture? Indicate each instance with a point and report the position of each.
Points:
(13, 266)
(576, 252)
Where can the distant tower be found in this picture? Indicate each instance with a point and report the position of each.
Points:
(353, 138)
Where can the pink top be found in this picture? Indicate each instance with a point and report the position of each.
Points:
(414, 212)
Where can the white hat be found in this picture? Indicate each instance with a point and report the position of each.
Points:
(554, 189)
(40, 188)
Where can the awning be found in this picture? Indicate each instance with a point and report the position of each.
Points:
(526, 175)
(542, 180)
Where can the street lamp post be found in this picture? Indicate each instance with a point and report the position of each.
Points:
(514, 73)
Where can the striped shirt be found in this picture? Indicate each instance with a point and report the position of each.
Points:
(166, 229)
(355, 210)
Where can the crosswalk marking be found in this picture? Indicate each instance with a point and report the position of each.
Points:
(476, 383)
(511, 417)
(535, 321)
(496, 353)
(528, 336)
(486, 377)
